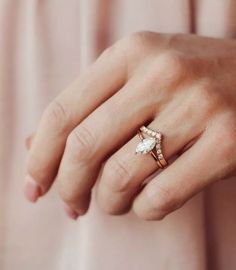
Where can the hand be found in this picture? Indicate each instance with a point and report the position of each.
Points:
(182, 85)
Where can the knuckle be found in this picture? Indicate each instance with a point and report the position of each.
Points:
(166, 70)
(116, 174)
(56, 117)
(116, 53)
(134, 38)
(208, 96)
(127, 44)
(112, 51)
(81, 144)
(132, 49)
(138, 41)
(175, 64)
(140, 36)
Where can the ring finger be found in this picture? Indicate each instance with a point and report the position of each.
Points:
(124, 172)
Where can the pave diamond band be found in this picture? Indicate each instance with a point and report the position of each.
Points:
(151, 132)
(151, 144)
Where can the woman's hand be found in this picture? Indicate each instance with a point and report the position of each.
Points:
(182, 85)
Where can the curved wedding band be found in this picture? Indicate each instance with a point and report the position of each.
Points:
(152, 145)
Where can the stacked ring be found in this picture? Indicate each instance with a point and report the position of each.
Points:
(152, 145)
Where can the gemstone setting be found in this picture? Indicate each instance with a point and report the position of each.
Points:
(145, 146)
(152, 143)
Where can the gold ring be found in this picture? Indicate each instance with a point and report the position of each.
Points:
(152, 145)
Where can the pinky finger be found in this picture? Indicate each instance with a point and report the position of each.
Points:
(202, 164)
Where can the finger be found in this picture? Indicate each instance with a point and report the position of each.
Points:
(124, 172)
(107, 128)
(94, 86)
(190, 173)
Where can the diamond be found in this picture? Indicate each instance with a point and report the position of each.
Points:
(145, 146)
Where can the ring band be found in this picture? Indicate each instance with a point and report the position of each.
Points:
(147, 145)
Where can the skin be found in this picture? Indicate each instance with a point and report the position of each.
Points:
(182, 85)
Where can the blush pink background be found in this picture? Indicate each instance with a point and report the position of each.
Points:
(44, 44)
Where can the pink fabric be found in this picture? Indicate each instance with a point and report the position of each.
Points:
(43, 45)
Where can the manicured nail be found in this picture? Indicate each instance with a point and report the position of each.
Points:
(32, 190)
(70, 212)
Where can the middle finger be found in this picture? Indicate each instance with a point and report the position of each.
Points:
(107, 128)
(124, 172)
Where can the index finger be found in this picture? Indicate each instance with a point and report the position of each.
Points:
(93, 87)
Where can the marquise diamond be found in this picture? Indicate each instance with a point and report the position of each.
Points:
(145, 146)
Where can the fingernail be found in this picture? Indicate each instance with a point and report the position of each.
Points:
(70, 212)
(32, 190)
